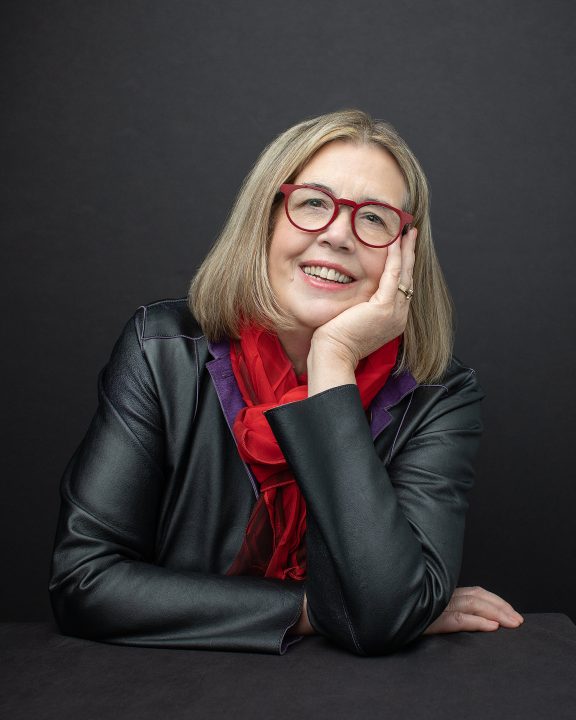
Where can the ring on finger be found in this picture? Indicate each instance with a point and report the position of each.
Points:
(409, 293)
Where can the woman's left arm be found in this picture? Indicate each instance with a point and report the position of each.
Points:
(384, 542)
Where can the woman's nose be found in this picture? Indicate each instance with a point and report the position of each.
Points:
(339, 232)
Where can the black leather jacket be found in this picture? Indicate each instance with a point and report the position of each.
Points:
(155, 501)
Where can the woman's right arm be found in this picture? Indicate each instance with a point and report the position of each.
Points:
(104, 583)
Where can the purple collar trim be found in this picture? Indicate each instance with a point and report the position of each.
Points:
(220, 369)
(231, 400)
(396, 387)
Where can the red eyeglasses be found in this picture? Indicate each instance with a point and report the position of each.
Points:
(313, 209)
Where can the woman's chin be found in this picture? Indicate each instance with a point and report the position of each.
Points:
(311, 313)
(313, 321)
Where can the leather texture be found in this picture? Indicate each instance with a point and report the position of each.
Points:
(155, 502)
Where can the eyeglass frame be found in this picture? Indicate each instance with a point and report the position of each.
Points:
(405, 218)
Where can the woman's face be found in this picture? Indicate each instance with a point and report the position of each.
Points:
(348, 170)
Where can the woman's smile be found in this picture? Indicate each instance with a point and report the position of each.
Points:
(326, 275)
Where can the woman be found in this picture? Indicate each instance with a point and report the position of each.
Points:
(293, 455)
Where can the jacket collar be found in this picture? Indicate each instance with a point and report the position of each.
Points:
(220, 369)
(231, 400)
(396, 388)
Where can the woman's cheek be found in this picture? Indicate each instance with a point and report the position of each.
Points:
(370, 289)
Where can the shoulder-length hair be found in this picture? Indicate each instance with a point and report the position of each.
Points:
(232, 285)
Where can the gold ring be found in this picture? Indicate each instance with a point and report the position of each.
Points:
(409, 293)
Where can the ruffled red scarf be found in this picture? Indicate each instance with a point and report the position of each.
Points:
(274, 542)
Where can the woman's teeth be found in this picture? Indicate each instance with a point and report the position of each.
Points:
(326, 274)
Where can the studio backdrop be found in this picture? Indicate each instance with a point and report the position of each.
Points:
(127, 128)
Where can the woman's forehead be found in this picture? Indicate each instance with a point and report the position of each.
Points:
(345, 166)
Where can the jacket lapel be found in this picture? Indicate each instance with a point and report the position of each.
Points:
(397, 387)
(229, 395)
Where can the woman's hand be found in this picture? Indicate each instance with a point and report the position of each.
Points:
(303, 626)
(473, 608)
(339, 345)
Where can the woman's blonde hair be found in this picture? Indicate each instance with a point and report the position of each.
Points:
(232, 284)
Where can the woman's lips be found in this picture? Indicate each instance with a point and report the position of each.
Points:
(327, 266)
(324, 273)
(324, 284)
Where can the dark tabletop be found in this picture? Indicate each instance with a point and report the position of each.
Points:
(527, 672)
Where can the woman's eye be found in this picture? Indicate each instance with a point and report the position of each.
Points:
(314, 203)
(373, 218)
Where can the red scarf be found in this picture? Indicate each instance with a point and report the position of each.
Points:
(274, 543)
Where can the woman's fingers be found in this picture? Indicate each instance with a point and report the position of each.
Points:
(399, 267)
(392, 272)
(451, 622)
(472, 609)
(407, 246)
(477, 597)
(483, 607)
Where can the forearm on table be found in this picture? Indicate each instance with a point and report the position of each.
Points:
(100, 589)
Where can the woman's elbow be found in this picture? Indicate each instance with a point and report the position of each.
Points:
(68, 611)
(74, 609)
(373, 633)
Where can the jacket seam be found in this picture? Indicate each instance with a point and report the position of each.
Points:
(98, 519)
(458, 387)
(162, 337)
(165, 302)
(129, 429)
(347, 616)
(292, 621)
(197, 398)
(443, 431)
(439, 385)
(390, 453)
(397, 401)
(141, 336)
(342, 601)
(172, 337)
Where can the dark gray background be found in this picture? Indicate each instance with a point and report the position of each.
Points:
(127, 128)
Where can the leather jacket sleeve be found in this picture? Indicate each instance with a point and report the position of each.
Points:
(104, 582)
(384, 531)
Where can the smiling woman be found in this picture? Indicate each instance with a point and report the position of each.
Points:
(289, 450)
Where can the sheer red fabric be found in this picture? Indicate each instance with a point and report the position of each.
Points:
(274, 543)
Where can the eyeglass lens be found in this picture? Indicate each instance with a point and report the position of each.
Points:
(311, 209)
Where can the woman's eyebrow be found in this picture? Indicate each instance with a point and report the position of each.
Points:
(321, 186)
